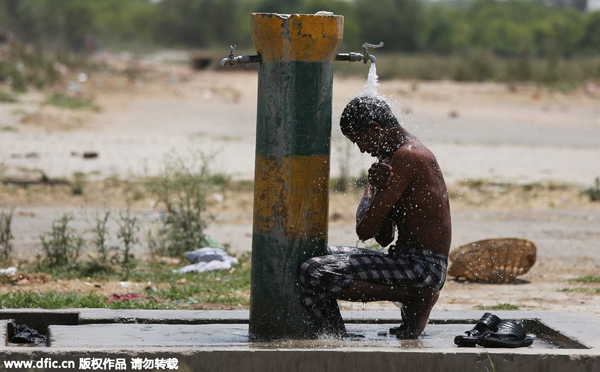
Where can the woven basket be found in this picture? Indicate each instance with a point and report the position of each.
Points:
(493, 260)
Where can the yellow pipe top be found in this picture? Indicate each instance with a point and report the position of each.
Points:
(297, 37)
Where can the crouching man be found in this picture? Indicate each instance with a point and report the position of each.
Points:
(406, 196)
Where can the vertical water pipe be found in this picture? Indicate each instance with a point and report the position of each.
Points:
(291, 182)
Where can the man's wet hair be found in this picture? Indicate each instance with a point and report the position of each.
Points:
(364, 109)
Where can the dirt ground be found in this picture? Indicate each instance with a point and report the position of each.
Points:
(515, 159)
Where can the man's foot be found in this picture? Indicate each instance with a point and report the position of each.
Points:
(327, 319)
(415, 313)
(404, 333)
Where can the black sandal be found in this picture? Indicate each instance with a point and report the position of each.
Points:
(484, 326)
(510, 334)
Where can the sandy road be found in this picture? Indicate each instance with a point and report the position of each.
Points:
(477, 131)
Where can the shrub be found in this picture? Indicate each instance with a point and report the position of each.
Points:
(182, 189)
(128, 230)
(99, 231)
(61, 246)
(594, 191)
(6, 247)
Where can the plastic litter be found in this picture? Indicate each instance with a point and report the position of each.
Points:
(26, 335)
(207, 259)
(8, 271)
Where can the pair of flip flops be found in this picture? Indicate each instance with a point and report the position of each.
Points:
(491, 331)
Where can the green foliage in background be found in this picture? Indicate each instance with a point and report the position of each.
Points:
(506, 28)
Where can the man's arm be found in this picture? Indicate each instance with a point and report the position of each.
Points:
(403, 171)
(386, 233)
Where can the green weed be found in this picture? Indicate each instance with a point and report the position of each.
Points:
(78, 184)
(493, 368)
(593, 192)
(6, 97)
(581, 290)
(8, 128)
(504, 306)
(71, 102)
(61, 246)
(588, 279)
(6, 236)
(128, 230)
(99, 239)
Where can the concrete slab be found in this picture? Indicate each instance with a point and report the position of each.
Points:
(217, 340)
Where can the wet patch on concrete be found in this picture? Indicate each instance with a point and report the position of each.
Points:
(236, 335)
(562, 341)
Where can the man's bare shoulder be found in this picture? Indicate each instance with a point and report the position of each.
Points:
(413, 152)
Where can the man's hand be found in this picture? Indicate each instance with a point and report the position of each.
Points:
(380, 174)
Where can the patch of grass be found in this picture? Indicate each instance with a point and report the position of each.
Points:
(169, 290)
(588, 279)
(71, 102)
(8, 128)
(20, 112)
(593, 192)
(227, 287)
(581, 290)
(62, 300)
(230, 287)
(6, 97)
(504, 306)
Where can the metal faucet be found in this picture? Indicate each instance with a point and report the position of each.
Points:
(352, 57)
(229, 59)
(366, 55)
(239, 59)
(355, 57)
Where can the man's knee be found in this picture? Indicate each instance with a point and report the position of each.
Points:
(310, 272)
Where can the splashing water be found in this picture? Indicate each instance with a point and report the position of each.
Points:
(372, 84)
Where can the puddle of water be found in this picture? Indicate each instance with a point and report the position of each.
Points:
(236, 335)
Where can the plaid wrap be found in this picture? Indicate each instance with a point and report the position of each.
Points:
(327, 277)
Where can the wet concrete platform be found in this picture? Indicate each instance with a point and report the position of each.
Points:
(218, 340)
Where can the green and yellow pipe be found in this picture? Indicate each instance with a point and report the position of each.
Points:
(293, 143)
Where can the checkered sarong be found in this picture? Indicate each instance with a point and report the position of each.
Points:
(328, 277)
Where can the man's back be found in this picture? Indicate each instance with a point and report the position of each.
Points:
(422, 211)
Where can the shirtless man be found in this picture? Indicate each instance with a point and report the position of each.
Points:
(407, 192)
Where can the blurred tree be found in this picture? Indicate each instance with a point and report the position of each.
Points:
(559, 34)
(61, 24)
(395, 22)
(125, 22)
(446, 30)
(591, 37)
(510, 28)
(198, 23)
(280, 6)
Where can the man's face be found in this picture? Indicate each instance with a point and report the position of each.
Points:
(366, 142)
